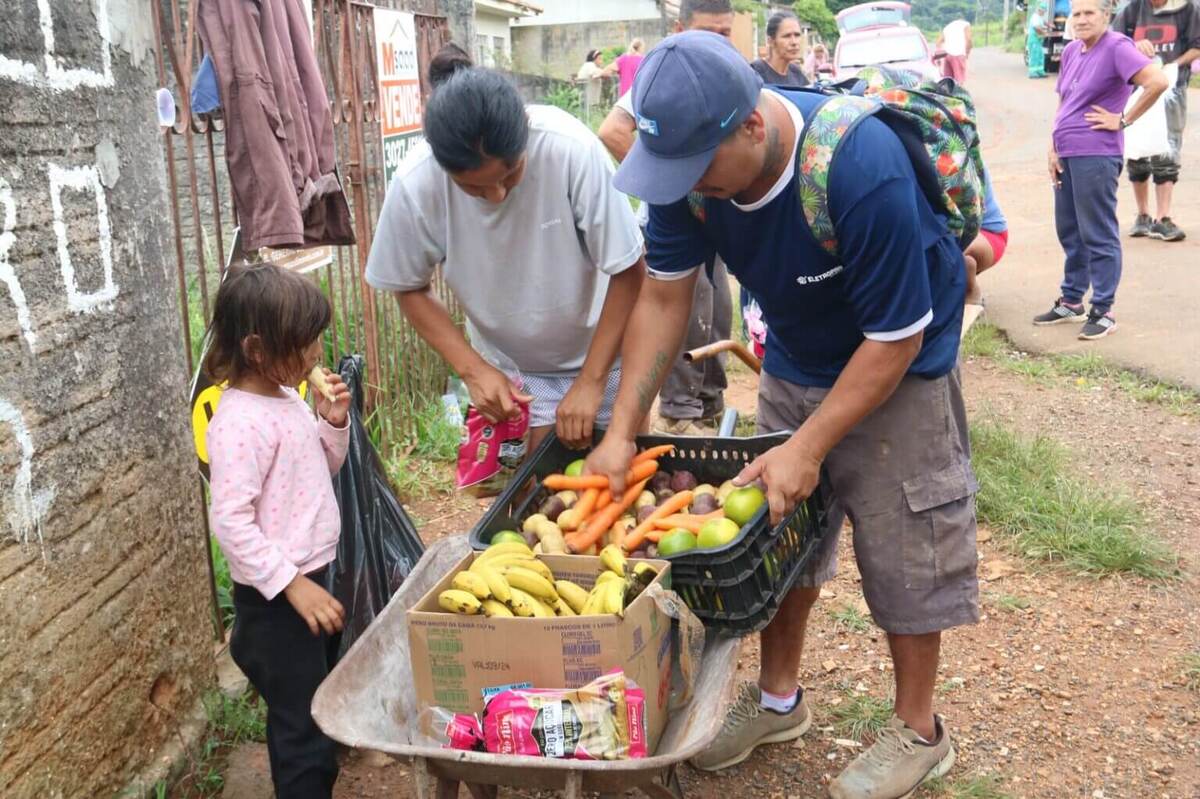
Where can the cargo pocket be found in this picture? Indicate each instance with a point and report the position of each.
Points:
(938, 536)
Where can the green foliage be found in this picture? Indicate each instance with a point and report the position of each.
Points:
(566, 97)
(611, 54)
(236, 719)
(224, 583)
(1191, 671)
(1016, 25)
(817, 14)
(982, 786)
(851, 619)
(858, 714)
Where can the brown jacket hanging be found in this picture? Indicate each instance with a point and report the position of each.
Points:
(278, 129)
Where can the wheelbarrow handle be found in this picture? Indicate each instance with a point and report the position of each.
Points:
(709, 350)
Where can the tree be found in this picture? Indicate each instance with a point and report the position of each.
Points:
(818, 15)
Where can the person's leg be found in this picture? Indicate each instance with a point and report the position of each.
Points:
(679, 401)
(1166, 167)
(1094, 186)
(712, 387)
(915, 658)
(286, 663)
(1066, 221)
(979, 257)
(1141, 193)
(1162, 198)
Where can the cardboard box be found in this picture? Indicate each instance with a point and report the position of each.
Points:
(456, 658)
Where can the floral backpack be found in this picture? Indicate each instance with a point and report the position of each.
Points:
(935, 121)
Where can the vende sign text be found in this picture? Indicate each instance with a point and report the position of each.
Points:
(399, 86)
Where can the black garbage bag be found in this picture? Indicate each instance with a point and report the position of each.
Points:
(379, 545)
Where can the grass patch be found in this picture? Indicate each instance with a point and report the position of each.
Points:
(1030, 496)
(224, 583)
(231, 721)
(982, 786)
(851, 619)
(747, 425)
(1084, 370)
(1191, 671)
(1009, 603)
(418, 464)
(860, 714)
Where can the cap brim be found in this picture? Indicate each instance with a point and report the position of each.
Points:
(657, 180)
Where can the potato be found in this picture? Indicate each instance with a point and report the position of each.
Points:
(705, 488)
(659, 481)
(725, 490)
(683, 480)
(652, 551)
(645, 498)
(533, 521)
(530, 537)
(644, 513)
(704, 503)
(569, 498)
(553, 542)
(552, 507)
(638, 553)
(663, 494)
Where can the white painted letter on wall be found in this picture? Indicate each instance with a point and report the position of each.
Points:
(8, 276)
(56, 77)
(28, 509)
(82, 178)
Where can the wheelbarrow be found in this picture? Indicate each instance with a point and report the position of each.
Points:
(368, 702)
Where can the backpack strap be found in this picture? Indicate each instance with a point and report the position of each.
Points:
(824, 131)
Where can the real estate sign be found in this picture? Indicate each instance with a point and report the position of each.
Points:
(399, 86)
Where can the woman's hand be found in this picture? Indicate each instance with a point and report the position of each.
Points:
(1055, 169)
(1102, 119)
(315, 605)
(493, 394)
(577, 411)
(335, 411)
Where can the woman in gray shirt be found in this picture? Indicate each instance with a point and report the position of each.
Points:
(786, 41)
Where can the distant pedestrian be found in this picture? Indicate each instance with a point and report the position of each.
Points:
(1170, 30)
(786, 40)
(1035, 46)
(627, 65)
(955, 39)
(817, 57)
(592, 74)
(1099, 70)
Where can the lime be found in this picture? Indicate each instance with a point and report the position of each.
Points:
(574, 468)
(743, 503)
(717, 533)
(676, 541)
(505, 536)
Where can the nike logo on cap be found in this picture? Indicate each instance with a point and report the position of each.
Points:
(729, 118)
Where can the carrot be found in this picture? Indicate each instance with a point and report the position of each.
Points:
(602, 501)
(688, 521)
(561, 482)
(655, 535)
(587, 502)
(599, 524)
(671, 505)
(653, 453)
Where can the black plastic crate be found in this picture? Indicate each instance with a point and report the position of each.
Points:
(734, 589)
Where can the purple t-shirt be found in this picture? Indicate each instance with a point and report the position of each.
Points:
(627, 67)
(1099, 76)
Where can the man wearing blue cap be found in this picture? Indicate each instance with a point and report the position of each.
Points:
(860, 361)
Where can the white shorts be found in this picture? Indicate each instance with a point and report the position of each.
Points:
(548, 390)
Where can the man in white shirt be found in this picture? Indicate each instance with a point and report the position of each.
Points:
(955, 39)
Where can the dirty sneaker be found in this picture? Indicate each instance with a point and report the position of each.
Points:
(1141, 226)
(1061, 313)
(683, 427)
(896, 764)
(1166, 230)
(748, 724)
(1098, 325)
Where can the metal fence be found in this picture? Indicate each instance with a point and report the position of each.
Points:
(402, 371)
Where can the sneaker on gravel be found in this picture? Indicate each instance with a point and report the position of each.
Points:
(1141, 226)
(1166, 230)
(1098, 325)
(1061, 313)
(683, 427)
(896, 764)
(747, 725)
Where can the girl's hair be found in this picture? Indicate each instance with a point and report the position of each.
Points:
(449, 59)
(776, 20)
(281, 310)
(475, 114)
(591, 55)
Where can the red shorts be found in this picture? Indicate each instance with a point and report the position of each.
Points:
(999, 242)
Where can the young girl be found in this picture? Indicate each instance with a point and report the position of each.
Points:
(273, 508)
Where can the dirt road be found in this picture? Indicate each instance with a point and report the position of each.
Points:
(1159, 283)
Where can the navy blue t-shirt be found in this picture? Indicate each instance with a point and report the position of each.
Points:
(901, 270)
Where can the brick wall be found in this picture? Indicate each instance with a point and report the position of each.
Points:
(558, 50)
(103, 586)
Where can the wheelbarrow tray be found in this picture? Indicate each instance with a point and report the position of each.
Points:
(368, 702)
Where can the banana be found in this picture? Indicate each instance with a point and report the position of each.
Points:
(538, 609)
(457, 601)
(521, 603)
(645, 572)
(605, 576)
(493, 608)
(496, 583)
(472, 583)
(571, 593)
(532, 564)
(562, 608)
(613, 598)
(613, 559)
(530, 582)
(506, 548)
(594, 602)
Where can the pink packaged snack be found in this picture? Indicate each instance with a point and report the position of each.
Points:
(603, 720)
(490, 452)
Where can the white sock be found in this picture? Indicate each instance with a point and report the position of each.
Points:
(780, 703)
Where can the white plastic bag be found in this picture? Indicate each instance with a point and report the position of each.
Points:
(1148, 136)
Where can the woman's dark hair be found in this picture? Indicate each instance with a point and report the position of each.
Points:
(777, 19)
(591, 55)
(475, 114)
(449, 59)
(282, 310)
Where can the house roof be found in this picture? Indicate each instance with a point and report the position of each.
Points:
(511, 8)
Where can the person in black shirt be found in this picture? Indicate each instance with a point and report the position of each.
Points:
(786, 48)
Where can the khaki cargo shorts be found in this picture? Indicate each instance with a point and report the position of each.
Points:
(903, 477)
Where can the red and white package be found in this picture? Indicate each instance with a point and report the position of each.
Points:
(490, 452)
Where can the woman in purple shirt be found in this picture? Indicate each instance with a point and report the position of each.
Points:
(1098, 73)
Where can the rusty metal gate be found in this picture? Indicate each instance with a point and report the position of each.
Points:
(402, 371)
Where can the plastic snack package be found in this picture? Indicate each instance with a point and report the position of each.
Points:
(489, 453)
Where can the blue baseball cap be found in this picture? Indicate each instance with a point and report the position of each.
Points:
(691, 92)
